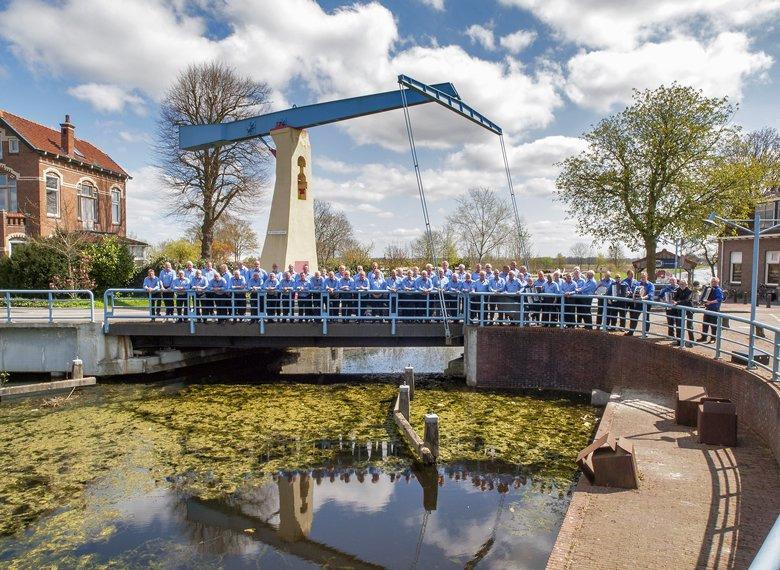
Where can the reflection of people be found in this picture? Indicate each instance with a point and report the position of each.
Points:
(296, 507)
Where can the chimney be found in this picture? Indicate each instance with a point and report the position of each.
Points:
(67, 136)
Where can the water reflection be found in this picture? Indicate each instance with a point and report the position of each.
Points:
(451, 516)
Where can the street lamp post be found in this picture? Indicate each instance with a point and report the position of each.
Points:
(756, 232)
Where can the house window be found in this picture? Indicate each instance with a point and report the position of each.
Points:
(116, 206)
(767, 213)
(52, 195)
(13, 146)
(88, 202)
(8, 194)
(773, 267)
(736, 267)
(14, 244)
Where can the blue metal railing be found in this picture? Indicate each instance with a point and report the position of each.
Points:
(28, 301)
(726, 334)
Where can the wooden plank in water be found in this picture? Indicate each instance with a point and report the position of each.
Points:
(47, 386)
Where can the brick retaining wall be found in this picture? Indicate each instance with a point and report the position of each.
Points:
(580, 360)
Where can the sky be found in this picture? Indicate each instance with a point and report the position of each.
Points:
(544, 70)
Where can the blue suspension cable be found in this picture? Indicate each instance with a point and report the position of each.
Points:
(421, 189)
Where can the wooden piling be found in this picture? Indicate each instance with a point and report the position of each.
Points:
(77, 369)
(431, 435)
(409, 379)
(403, 400)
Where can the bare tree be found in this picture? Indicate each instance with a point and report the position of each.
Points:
(521, 246)
(579, 251)
(333, 231)
(396, 255)
(485, 220)
(230, 177)
(617, 257)
(443, 244)
(237, 235)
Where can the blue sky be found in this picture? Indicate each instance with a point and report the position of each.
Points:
(542, 69)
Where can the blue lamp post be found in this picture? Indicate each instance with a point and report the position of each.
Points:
(756, 232)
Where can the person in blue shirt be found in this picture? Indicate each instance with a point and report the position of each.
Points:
(625, 291)
(314, 288)
(238, 295)
(153, 289)
(180, 286)
(167, 275)
(588, 287)
(667, 296)
(495, 287)
(362, 287)
(272, 295)
(604, 288)
(189, 270)
(424, 286)
(346, 297)
(257, 269)
(218, 297)
(643, 291)
(245, 272)
(198, 286)
(378, 304)
(550, 303)
(255, 286)
(569, 288)
(406, 298)
(208, 272)
(441, 279)
(477, 272)
(287, 289)
(226, 275)
(302, 293)
(714, 298)
(510, 305)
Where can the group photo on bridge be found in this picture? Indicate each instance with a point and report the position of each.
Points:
(370, 284)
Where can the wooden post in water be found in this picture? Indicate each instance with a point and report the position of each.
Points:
(403, 400)
(77, 369)
(431, 435)
(409, 379)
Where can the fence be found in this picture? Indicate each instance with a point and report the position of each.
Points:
(59, 304)
(754, 344)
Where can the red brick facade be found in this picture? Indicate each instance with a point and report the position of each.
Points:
(31, 152)
(581, 360)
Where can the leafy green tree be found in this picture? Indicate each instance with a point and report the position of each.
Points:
(111, 263)
(657, 167)
(32, 266)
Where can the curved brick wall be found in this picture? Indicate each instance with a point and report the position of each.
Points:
(580, 360)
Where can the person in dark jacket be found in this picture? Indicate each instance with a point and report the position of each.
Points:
(683, 297)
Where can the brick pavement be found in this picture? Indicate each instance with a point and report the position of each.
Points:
(697, 506)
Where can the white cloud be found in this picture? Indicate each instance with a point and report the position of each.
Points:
(600, 79)
(145, 207)
(435, 4)
(517, 41)
(335, 166)
(135, 137)
(108, 98)
(625, 24)
(134, 45)
(481, 35)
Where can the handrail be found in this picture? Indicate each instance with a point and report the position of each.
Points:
(51, 301)
(759, 347)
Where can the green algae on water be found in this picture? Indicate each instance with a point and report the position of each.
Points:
(210, 440)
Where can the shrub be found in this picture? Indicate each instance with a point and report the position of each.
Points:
(111, 263)
(32, 266)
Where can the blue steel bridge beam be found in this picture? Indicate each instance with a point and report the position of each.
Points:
(195, 137)
(440, 96)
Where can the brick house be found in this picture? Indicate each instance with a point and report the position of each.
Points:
(50, 179)
(735, 252)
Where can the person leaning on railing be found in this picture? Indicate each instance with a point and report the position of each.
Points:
(198, 286)
(643, 290)
(586, 286)
(272, 296)
(167, 275)
(180, 286)
(254, 286)
(711, 303)
(238, 295)
(152, 287)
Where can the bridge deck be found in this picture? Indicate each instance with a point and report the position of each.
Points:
(247, 335)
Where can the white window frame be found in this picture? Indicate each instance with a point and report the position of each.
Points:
(6, 190)
(13, 146)
(116, 220)
(772, 258)
(91, 194)
(46, 189)
(732, 262)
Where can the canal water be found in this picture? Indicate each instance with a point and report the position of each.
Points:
(249, 473)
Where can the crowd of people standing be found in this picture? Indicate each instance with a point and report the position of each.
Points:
(553, 297)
